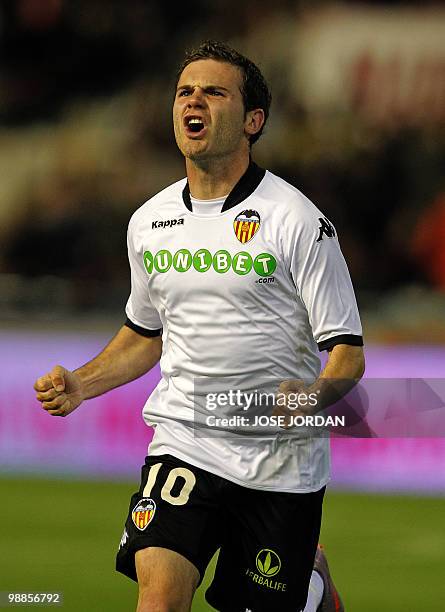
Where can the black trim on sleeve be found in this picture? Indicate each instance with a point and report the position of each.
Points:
(148, 333)
(350, 339)
(242, 190)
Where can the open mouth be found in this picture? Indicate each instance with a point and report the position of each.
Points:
(194, 125)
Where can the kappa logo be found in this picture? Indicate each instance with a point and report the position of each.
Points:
(168, 223)
(325, 228)
(246, 225)
(143, 513)
(124, 539)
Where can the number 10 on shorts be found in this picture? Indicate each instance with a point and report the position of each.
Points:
(179, 472)
(144, 511)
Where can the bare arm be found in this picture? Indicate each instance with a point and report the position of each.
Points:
(343, 370)
(346, 363)
(127, 357)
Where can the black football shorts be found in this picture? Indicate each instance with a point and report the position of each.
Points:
(267, 540)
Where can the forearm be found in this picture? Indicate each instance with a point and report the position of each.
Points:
(127, 357)
(343, 370)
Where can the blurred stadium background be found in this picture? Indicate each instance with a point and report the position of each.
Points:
(357, 123)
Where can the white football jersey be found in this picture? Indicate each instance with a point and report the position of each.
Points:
(245, 297)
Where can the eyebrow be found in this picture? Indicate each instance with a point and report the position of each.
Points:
(207, 87)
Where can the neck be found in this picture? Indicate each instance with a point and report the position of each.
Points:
(216, 178)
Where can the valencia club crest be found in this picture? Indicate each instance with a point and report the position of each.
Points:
(246, 225)
(143, 513)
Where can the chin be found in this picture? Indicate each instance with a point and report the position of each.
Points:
(195, 154)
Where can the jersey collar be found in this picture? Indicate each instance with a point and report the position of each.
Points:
(242, 190)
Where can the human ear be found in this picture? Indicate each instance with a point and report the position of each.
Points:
(254, 121)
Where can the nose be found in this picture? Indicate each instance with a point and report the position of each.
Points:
(196, 98)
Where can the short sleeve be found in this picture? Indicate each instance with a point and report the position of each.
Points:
(142, 316)
(324, 285)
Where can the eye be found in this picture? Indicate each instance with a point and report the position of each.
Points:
(215, 92)
(183, 92)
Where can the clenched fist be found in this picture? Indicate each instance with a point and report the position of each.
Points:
(59, 391)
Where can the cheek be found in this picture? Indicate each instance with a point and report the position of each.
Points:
(177, 111)
(232, 126)
(176, 124)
